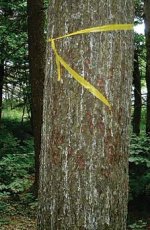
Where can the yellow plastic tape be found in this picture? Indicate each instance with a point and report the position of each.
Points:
(76, 76)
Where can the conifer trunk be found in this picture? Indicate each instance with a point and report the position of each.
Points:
(1, 86)
(147, 34)
(137, 95)
(84, 156)
(36, 25)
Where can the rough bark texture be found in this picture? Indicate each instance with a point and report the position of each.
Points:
(84, 157)
(147, 34)
(137, 95)
(36, 22)
(1, 86)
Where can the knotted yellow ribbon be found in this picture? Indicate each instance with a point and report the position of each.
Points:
(60, 61)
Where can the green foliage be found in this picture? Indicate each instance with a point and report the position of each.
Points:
(4, 221)
(12, 114)
(139, 151)
(139, 166)
(17, 163)
(139, 46)
(3, 206)
(139, 4)
(140, 224)
(4, 209)
(13, 49)
(16, 167)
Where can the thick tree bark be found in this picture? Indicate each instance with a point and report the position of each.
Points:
(84, 154)
(1, 86)
(137, 95)
(147, 34)
(36, 22)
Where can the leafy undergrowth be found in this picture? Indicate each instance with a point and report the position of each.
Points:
(17, 203)
(19, 223)
(139, 225)
(139, 215)
(19, 215)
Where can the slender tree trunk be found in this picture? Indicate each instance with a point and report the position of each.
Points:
(147, 34)
(137, 95)
(1, 86)
(84, 154)
(36, 22)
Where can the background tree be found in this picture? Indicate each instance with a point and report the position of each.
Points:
(147, 35)
(84, 157)
(1, 85)
(13, 46)
(137, 94)
(139, 46)
(36, 25)
(136, 122)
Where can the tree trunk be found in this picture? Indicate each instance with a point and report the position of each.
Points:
(1, 86)
(147, 34)
(36, 22)
(137, 95)
(84, 154)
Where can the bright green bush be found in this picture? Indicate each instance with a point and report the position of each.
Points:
(139, 162)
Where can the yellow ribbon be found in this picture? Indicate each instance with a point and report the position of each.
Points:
(76, 76)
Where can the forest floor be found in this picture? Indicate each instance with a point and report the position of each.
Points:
(22, 216)
(18, 216)
(19, 223)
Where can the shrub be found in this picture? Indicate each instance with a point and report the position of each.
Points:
(16, 163)
(139, 162)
